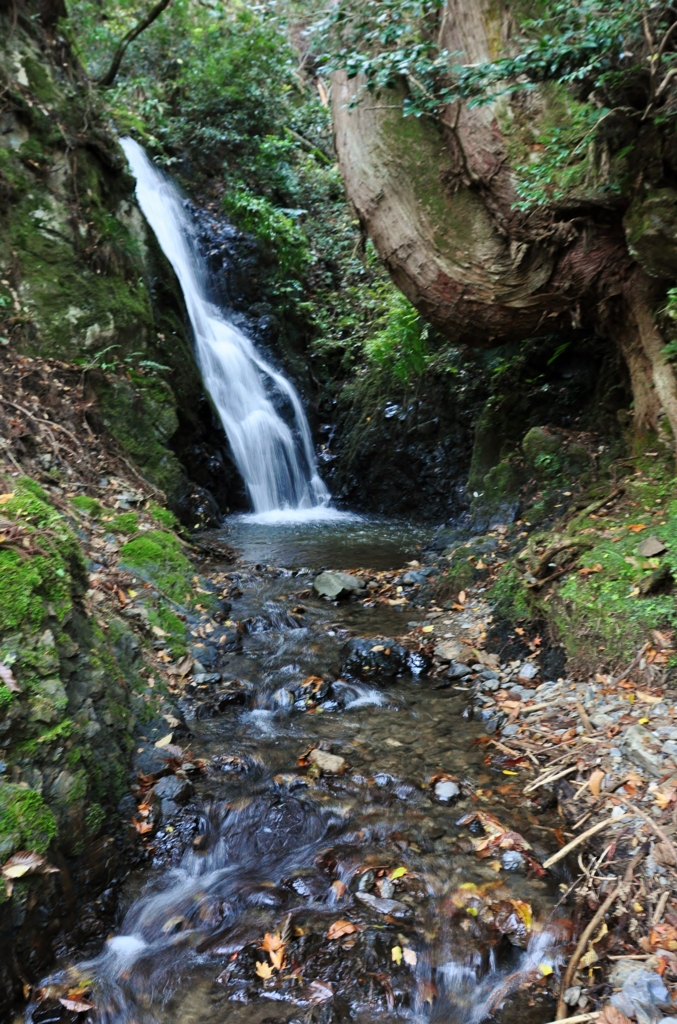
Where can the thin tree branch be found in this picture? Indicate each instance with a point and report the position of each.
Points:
(140, 27)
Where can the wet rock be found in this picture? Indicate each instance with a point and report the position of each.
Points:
(512, 860)
(446, 791)
(173, 788)
(365, 658)
(336, 584)
(641, 747)
(527, 671)
(660, 581)
(331, 763)
(392, 908)
(198, 509)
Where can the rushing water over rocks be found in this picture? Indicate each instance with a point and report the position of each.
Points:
(305, 864)
(259, 408)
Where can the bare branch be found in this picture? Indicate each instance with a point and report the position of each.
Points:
(121, 49)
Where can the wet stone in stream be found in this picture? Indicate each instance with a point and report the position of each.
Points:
(307, 863)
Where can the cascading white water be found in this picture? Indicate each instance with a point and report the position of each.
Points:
(276, 460)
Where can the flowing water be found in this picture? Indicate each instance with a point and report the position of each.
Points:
(268, 845)
(259, 408)
(309, 858)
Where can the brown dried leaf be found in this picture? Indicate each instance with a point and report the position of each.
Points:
(264, 970)
(612, 1015)
(277, 958)
(339, 928)
(27, 863)
(271, 942)
(596, 780)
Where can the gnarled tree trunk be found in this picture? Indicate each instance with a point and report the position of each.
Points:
(437, 196)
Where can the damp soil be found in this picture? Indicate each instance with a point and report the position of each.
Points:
(253, 834)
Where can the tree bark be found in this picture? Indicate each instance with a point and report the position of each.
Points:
(437, 198)
(130, 36)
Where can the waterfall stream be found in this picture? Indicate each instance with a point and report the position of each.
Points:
(275, 457)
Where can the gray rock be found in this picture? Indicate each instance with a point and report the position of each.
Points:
(512, 860)
(670, 747)
(174, 789)
(641, 747)
(336, 584)
(642, 992)
(651, 547)
(457, 670)
(510, 730)
(527, 671)
(383, 906)
(410, 578)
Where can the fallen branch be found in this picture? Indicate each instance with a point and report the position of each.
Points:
(549, 778)
(580, 839)
(587, 934)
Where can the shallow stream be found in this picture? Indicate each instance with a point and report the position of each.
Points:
(257, 839)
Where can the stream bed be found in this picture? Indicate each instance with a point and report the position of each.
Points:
(313, 854)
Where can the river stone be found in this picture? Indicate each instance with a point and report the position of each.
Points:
(449, 650)
(327, 762)
(384, 906)
(447, 790)
(642, 992)
(651, 547)
(336, 584)
(366, 657)
(457, 670)
(641, 747)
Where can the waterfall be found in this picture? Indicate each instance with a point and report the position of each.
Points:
(276, 460)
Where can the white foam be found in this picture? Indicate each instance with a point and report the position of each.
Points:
(293, 516)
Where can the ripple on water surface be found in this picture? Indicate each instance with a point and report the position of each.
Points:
(324, 537)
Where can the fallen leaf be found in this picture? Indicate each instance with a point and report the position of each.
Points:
(27, 863)
(319, 992)
(612, 1015)
(397, 873)
(264, 970)
(662, 798)
(396, 954)
(271, 942)
(524, 912)
(77, 1005)
(596, 780)
(545, 969)
(165, 741)
(647, 698)
(277, 958)
(427, 629)
(340, 928)
(142, 827)
(155, 630)
(8, 679)
(409, 956)
(461, 597)
(4, 498)
(663, 936)
(637, 527)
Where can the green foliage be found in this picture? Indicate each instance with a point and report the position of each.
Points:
(401, 343)
(274, 227)
(608, 51)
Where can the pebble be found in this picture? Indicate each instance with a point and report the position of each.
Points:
(384, 906)
(511, 730)
(447, 790)
(327, 762)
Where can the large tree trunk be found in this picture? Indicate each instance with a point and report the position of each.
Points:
(436, 197)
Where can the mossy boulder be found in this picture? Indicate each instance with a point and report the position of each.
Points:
(543, 453)
(26, 822)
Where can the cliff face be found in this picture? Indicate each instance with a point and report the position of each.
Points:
(82, 278)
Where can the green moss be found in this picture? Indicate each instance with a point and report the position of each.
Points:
(163, 515)
(52, 575)
(172, 624)
(89, 505)
(126, 522)
(25, 820)
(6, 698)
(94, 818)
(158, 557)
(509, 596)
